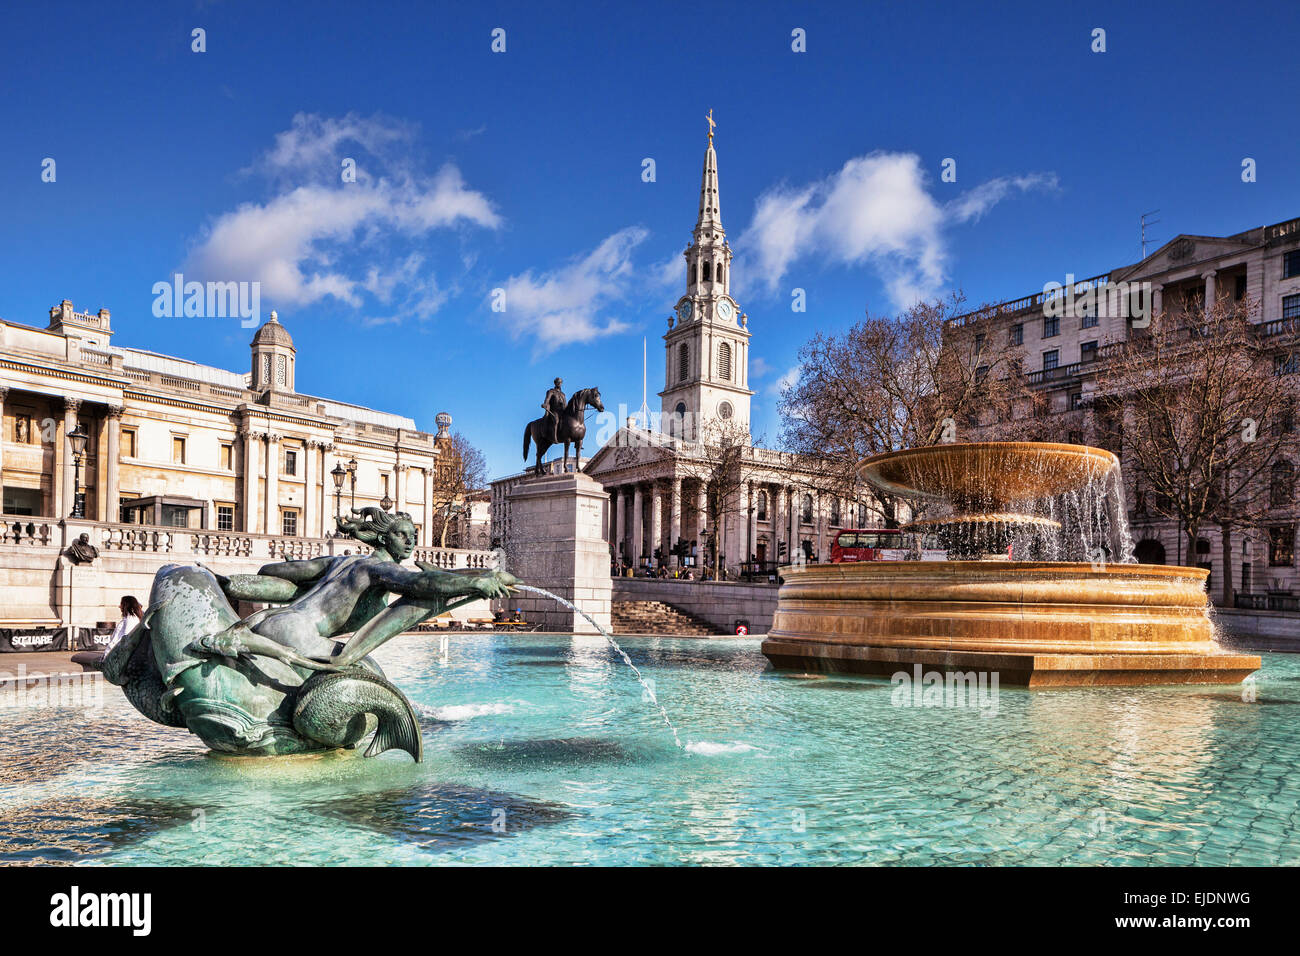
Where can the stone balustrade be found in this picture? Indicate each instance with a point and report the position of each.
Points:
(33, 555)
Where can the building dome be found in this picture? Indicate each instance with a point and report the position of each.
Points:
(273, 333)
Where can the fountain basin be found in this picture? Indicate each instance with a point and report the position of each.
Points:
(1034, 623)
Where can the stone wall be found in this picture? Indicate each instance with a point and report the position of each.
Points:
(721, 603)
(1259, 630)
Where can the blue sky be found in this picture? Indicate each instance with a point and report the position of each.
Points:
(522, 171)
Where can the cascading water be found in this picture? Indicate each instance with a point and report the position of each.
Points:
(649, 691)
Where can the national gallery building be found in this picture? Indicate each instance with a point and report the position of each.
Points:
(157, 459)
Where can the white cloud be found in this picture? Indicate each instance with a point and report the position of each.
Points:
(326, 238)
(971, 205)
(785, 381)
(564, 305)
(874, 211)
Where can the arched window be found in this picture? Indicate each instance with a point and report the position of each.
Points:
(1282, 484)
(683, 362)
(1149, 551)
(724, 361)
(762, 506)
(679, 419)
(719, 272)
(807, 515)
(706, 270)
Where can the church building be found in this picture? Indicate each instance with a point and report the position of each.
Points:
(696, 491)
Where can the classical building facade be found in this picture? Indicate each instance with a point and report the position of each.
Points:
(664, 483)
(170, 442)
(1068, 333)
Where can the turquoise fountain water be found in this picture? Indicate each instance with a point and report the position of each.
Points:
(538, 749)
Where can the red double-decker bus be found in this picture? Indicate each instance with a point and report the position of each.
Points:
(885, 544)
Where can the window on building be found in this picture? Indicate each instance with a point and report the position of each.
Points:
(835, 512)
(979, 342)
(762, 506)
(289, 522)
(806, 512)
(724, 361)
(1239, 288)
(225, 517)
(1286, 364)
(291, 461)
(683, 362)
(383, 485)
(1281, 487)
(227, 456)
(1291, 264)
(706, 270)
(981, 373)
(1076, 402)
(1281, 546)
(178, 450)
(862, 515)
(1051, 359)
(1018, 334)
(128, 443)
(1291, 306)
(1089, 321)
(1051, 326)
(1088, 352)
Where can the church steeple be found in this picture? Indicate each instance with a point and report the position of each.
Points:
(706, 372)
(710, 219)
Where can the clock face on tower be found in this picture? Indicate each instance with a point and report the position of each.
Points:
(724, 309)
(684, 311)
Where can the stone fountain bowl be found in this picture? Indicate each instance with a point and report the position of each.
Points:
(987, 474)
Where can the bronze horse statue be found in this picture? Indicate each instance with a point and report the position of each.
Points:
(571, 428)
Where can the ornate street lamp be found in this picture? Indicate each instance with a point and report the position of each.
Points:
(352, 470)
(387, 503)
(338, 474)
(77, 437)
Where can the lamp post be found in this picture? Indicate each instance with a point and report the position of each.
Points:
(338, 473)
(387, 503)
(352, 470)
(77, 438)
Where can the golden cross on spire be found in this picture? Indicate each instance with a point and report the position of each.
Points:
(712, 124)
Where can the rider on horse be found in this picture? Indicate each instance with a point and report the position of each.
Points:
(553, 404)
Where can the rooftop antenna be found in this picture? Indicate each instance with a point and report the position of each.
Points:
(644, 410)
(1144, 221)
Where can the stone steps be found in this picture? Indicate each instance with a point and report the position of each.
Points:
(656, 617)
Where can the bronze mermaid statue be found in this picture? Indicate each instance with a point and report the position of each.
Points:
(280, 681)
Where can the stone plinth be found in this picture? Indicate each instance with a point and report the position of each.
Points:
(557, 542)
(1037, 624)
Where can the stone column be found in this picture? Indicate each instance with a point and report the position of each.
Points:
(326, 489)
(1209, 278)
(751, 522)
(70, 409)
(251, 440)
(4, 393)
(113, 495)
(618, 537)
(270, 519)
(308, 529)
(819, 516)
(656, 518)
(780, 528)
(674, 516)
(427, 531)
(1157, 300)
(399, 481)
(796, 529)
(638, 537)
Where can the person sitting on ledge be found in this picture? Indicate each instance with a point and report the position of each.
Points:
(131, 613)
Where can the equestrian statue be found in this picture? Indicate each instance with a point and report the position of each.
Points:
(563, 422)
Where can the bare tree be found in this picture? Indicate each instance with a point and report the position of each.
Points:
(888, 383)
(1207, 415)
(725, 458)
(461, 469)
